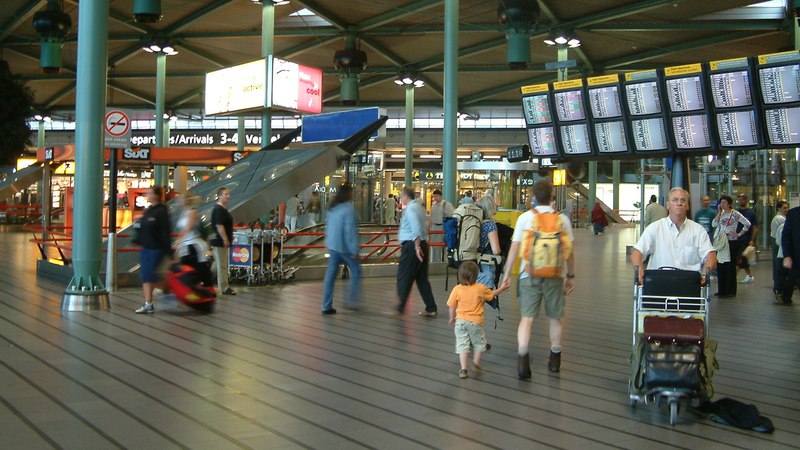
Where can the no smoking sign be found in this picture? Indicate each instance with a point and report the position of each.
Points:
(117, 126)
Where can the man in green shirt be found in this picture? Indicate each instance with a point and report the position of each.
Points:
(705, 215)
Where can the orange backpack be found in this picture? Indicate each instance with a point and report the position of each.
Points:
(545, 246)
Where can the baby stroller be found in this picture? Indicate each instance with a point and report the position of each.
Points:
(672, 358)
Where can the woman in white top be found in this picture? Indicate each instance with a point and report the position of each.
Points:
(727, 220)
(190, 247)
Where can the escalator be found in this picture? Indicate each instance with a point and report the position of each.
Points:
(22, 179)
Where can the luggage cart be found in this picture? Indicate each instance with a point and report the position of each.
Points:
(670, 325)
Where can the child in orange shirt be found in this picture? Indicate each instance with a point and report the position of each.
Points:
(466, 313)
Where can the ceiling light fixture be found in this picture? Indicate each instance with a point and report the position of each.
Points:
(160, 45)
(409, 78)
(562, 38)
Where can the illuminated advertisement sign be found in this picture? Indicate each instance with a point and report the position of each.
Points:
(296, 87)
(237, 88)
(242, 88)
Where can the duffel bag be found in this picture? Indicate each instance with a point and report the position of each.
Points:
(672, 365)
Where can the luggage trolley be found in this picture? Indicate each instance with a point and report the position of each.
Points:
(670, 325)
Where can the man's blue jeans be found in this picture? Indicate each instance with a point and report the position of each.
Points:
(334, 261)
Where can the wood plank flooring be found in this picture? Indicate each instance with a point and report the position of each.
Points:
(267, 371)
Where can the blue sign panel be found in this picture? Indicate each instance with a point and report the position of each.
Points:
(338, 126)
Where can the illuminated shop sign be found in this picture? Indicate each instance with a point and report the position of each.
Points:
(244, 88)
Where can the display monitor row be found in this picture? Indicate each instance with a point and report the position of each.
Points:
(742, 103)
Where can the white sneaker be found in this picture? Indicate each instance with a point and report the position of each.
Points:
(146, 308)
(748, 279)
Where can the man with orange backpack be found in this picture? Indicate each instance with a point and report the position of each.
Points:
(543, 240)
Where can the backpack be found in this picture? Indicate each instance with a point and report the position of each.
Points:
(545, 246)
(465, 247)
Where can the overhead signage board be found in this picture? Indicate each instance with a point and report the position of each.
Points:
(236, 89)
(117, 129)
(338, 126)
(244, 88)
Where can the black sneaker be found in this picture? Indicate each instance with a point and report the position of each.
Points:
(328, 312)
(554, 363)
(229, 291)
(524, 366)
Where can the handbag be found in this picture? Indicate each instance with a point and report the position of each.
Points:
(722, 247)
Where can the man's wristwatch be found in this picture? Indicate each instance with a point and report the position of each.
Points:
(570, 276)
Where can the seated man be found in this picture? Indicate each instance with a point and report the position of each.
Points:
(675, 241)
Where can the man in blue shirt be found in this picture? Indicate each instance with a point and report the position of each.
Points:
(705, 215)
(414, 255)
(341, 239)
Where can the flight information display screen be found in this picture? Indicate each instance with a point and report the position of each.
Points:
(569, 105)
(575, 139)
(691, 132)
(542, 142)
(780, 84)
(731, 89)
(537, 109)
(783, 125)
(605, 102)
(737, 128)
(685, 94)
(643, 98)
(649, 134)
(610, 137)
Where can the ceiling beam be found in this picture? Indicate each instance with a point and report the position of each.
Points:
(696, 25)
(617, 63)
(398, 13)
(48, 104)
(181, 99)
(19, 16)
(324, 13)
(194, 16)
(123, 18)
(141, 96)
(199, 52)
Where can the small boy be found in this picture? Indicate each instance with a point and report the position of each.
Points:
(466, 313)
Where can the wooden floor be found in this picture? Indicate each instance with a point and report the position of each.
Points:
(267, 371)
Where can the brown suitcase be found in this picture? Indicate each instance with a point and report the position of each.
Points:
(673, 328)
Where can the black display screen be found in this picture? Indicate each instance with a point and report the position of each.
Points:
(542, 141)
(737, 128)
(691, 132)
(731, 89)
(685, 94)
(569, 105)
(649, 134)
(605, 102)
(575, 139)
(610, 137)
(643, 98)
(783, 125)
(780, 84)
(537, 109)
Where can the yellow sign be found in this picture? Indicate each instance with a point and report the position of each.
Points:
(559, 177)
(683, 70)
(534, 88)
(714, 65)
(568, 84)
(603, 79)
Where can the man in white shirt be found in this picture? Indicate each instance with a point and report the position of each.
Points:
(440, 209)
(778, 271)
(675, 241)
(534, 291)
(292, 211)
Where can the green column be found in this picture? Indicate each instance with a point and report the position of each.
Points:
(240, 138)
(409, 133)
(86, 290)
(161, 175)
(616, 175)
(592, 184)
(562, 56)
(450, 138)
(267, 45)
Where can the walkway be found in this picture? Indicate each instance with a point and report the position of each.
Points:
(267, 371)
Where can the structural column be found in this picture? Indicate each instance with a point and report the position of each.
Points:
(450, 138)
(86, 290)
(267, 45)
(615, 174)
(161, 177)
(409, 133)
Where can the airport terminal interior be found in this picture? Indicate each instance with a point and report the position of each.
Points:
(614, 101)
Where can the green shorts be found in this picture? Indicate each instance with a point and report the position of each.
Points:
(532, 291)
(469, 335)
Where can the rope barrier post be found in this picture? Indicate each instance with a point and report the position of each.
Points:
(111, 263)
